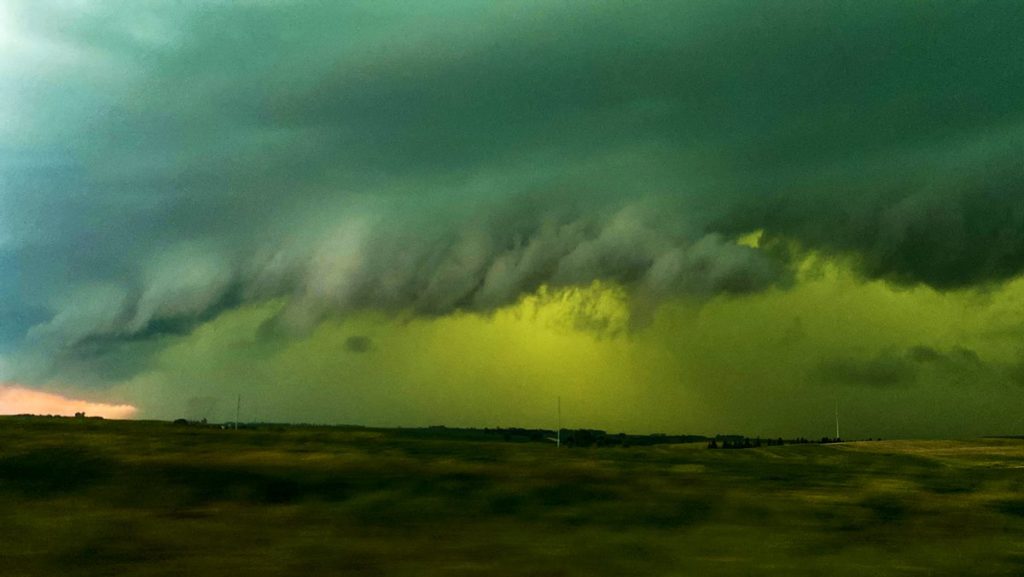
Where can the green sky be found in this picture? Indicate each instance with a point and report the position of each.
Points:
(682, 217)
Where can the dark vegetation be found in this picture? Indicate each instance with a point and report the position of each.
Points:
(568, 437)
(93, 497)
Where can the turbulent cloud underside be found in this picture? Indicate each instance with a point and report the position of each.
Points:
(163, 165)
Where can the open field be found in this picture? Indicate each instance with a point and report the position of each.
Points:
(85, 497)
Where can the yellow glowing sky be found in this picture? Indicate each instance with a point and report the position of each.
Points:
(732, 364)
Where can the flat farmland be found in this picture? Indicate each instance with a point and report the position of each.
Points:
(91, 497)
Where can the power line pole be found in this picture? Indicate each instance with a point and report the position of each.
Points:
(558, 435)
(837, 419)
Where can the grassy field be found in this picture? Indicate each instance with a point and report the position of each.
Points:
(87, 497)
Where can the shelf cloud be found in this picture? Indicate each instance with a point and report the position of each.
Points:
(164, 165)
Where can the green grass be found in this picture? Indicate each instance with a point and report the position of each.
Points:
(83, 497)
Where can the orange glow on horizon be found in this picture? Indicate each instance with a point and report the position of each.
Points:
(17, 400)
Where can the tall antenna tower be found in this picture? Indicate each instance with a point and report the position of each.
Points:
(558, 435)
(837, 419)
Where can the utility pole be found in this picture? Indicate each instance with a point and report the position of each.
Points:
(837, 419)
(558, 435)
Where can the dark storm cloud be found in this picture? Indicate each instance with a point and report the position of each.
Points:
(893, 369)
(883, 370)
(359, 344)
(955, 357)
(170, 161)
